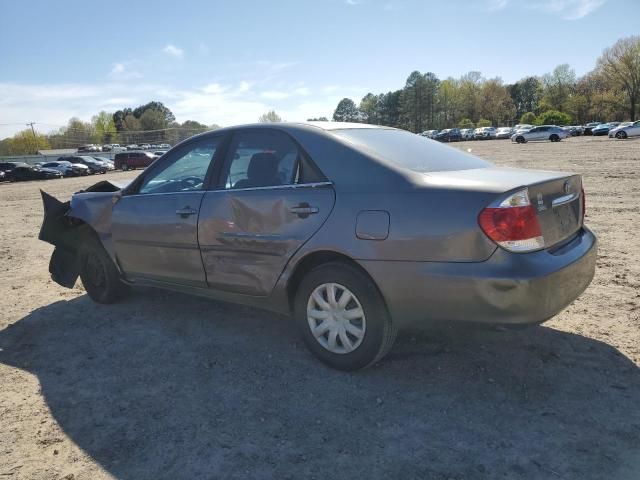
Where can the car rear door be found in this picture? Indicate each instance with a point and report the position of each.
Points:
(269, 200)
(155, 225)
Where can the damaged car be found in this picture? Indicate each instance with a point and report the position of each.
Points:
(354, 230)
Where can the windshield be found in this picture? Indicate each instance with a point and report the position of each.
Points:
(410, 151)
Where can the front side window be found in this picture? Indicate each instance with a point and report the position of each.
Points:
(262, 159)
(184, 171)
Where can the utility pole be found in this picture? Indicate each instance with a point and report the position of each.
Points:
(35, 139)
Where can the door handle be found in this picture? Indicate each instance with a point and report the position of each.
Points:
(304, 210)
(185, 212)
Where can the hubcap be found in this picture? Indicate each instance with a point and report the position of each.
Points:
(336, 318)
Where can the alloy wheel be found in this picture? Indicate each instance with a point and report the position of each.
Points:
(336, 318)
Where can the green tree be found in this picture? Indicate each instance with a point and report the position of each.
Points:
(553, 117)
(483, 122)
(470, 85)
(346, 111)
(496, 103)
(466, 123)
(620, 65)
(167, 115)
(369, 109)
(528, 118)
(270, 117)
(558, 87)
(104, 127)
(25, 143)
(526, 94)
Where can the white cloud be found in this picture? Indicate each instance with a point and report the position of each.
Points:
(173, 51)
(124, 71)
(565, 9)
(52, 105)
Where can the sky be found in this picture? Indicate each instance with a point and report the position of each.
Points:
(228, 62)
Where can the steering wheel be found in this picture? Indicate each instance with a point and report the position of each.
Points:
(190, 182)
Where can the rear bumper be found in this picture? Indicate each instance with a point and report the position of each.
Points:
(508, 288)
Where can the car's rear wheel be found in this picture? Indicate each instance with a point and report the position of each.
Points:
(621, 135)
(343, 318)
(99, 275)
(554, 138)
(520, 139)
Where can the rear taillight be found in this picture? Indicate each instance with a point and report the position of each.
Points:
(513, 224)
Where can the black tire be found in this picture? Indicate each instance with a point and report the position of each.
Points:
(380, 332)
(520, 139)
(554, 138)
(621, 135)
(99, 275)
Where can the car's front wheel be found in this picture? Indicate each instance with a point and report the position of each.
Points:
(554, 138)
(99, 275)
(621, 135)
(343, 318)
(520, 139)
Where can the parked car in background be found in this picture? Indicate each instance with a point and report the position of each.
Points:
(164, 146)
(133, 160)
(573, 130)
(89, 148)
(449, 135)
(132, 146)
(106, 162)
(290, 223)
(429, 133)
(32, 172)
(522, 126)
(504, 132)
(8, 167)
(467, 133)
(93, 165)
(3, 176)
(484, 133)
(625, 130)
(159, 153)
(588, 128)
(145, 146)
(107, 148)
(552, 133)
(68, 169)
(116, 147)
(603, 129)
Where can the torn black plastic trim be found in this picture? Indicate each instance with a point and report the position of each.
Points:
(63, 232)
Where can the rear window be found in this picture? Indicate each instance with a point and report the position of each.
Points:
(410, 151)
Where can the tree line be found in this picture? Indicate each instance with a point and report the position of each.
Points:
(151, 123)
(610, 92)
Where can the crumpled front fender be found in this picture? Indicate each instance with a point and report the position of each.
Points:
(69, 225)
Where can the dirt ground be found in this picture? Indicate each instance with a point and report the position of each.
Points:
(169, 386)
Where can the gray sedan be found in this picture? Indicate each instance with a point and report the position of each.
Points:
(354, 230)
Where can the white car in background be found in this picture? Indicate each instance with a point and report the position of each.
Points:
(625, 130)
(467, 133)
(504, 132)
(429, 133)
(552, 133)
(484, 133)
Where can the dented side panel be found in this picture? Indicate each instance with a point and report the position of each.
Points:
(247, 237)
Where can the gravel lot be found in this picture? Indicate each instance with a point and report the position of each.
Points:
(169, 386)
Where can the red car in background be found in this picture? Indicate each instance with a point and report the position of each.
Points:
(133, 160)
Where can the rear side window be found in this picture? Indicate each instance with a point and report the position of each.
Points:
(262, 159)
(408, 150)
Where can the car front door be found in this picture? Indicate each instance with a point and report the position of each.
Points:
(270, 199)
(155, 225)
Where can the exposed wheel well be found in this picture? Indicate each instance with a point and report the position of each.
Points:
(314, 260)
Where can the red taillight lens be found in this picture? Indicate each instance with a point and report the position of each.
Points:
(513, 223)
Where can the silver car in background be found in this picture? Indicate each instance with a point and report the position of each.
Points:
(467, 134)
(551, 133)
(625, 130)
(354, 230)
(484, 133)
(504, 132)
